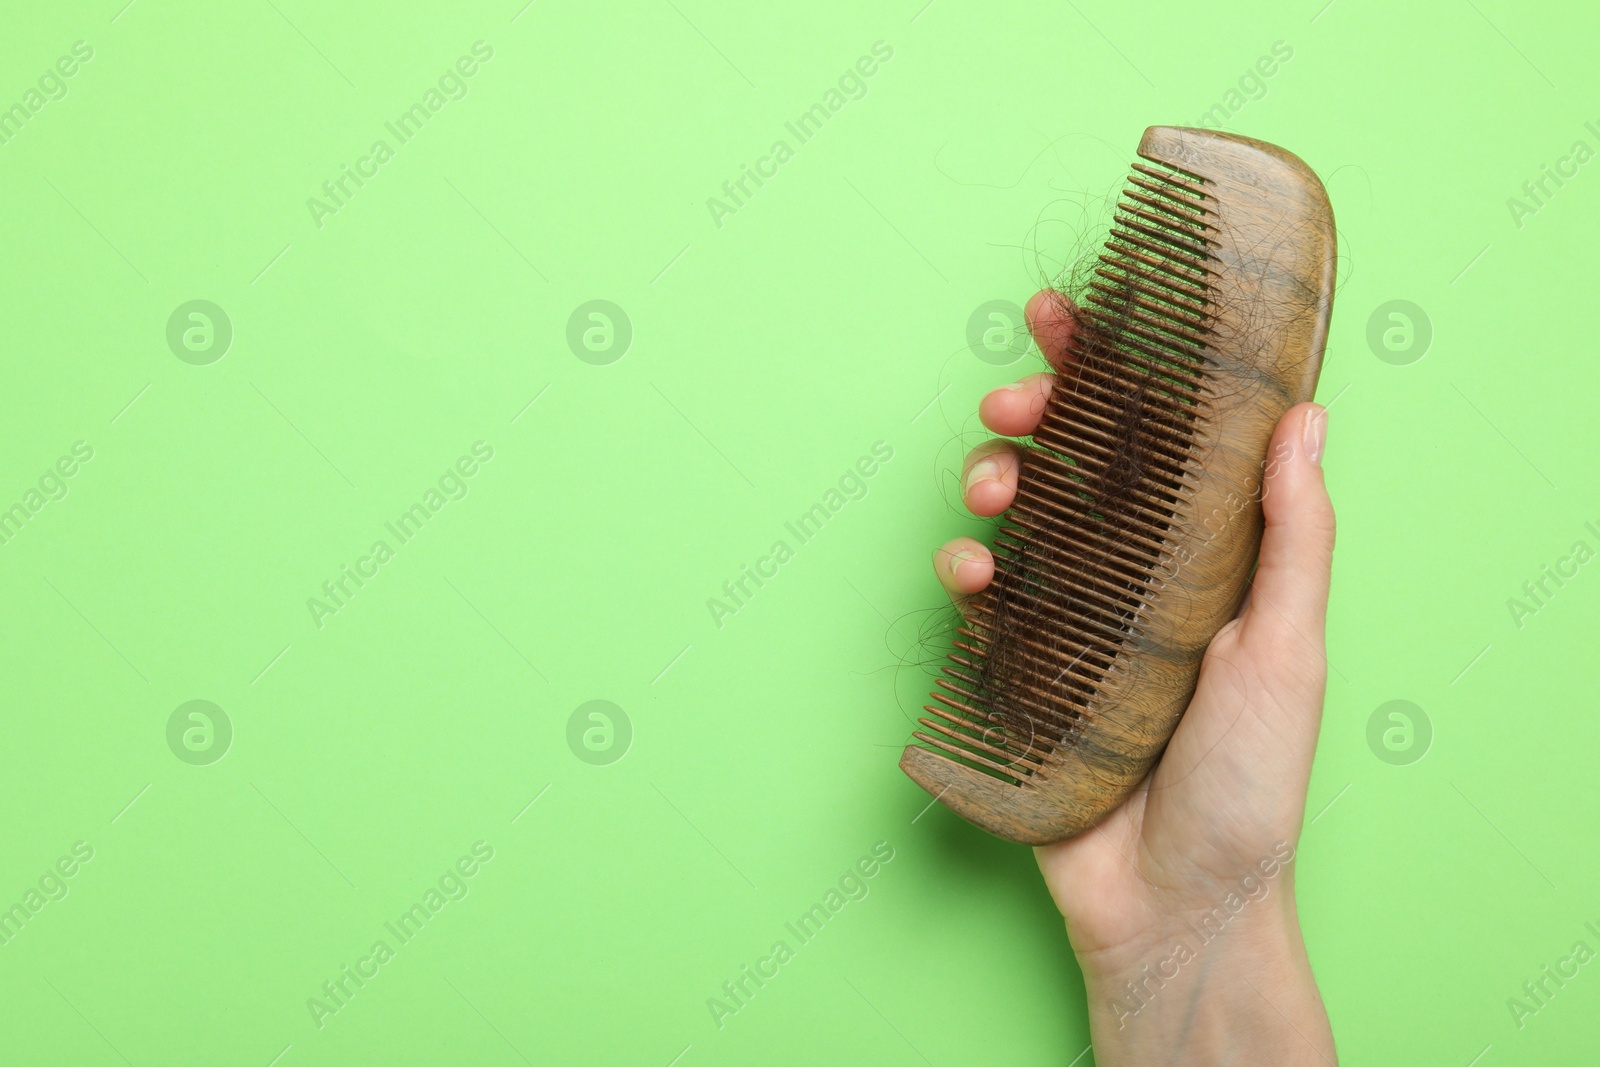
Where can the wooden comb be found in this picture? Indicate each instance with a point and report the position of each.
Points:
(1137, 517)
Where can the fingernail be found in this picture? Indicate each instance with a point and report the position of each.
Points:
(957, 559)
(1015, 387)
(982, 471)
(1316, 433)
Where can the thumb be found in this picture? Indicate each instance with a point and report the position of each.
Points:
(1288, 600)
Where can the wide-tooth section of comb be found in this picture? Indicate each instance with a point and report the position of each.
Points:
(1140, 356)
(1203, 320)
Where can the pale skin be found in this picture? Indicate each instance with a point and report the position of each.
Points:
(1228, 794)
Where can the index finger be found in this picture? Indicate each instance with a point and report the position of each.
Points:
(1052, 319)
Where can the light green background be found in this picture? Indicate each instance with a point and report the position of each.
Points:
(768, 354)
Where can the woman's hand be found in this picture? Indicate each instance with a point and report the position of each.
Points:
(1180, 906)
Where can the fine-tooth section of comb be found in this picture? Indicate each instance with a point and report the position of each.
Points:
(1137, 516)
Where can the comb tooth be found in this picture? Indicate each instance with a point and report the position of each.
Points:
(1168, 183)
(993, 735)
(1011, 759)
(1145, 521)
(965, 669)
(1178, 227)
(1072, 629)
(972, 674)
(1180, 171)
(1157, 496)
(1122, 309)
(998, 742)
(1083, 625)
(1174, 389)
(1054, 513)
(1098, 388)
(1113, 612)
(1082, 691)
(1137, 275)
(1132, 504)
(1183, 237)
(1189, 334)
(1047, 663)
(1127, 243)
(1168, 228)
(969, 639)
(1184, 207)
(1175, 178)
(970, 705)
(1054, 727)
(1092, 384)
(1002, 770)
(1084, 682)
(960, 752)
(1040, 706)
(1153, 269)
(1100, 436)
(1106, 390)
(1155, 258)
(1178, 175)
(1191, 321)
(1068, 537)
(1108, 601)
(1058, 511)
(1139, 355)
(1142, 527)
(1151, 239)
(1128, 358)
(1098, 462)
(1147, 374)
(1154, 456)
(1061, 718)
(970, 714)
(966, 664)
(1164, 431)
(1188, 304)
(1111, 602)
(973, 629)
(1044, 734)
(1076, 503)
(1194, 272)
(1081, 684)
(1111, 615)
(1168, 213)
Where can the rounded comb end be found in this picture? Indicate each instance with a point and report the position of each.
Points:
(1019, 813)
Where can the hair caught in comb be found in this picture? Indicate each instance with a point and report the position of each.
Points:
(1200, 322)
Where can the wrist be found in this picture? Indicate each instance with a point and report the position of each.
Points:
(1210, 987)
